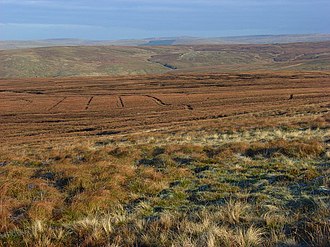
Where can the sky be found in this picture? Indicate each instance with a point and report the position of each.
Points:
(136, 19)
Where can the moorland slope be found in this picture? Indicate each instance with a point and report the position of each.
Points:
(119, 60)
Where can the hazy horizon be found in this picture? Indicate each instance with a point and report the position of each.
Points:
(168, 37)
(137, 19)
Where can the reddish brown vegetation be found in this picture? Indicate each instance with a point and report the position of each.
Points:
(47, 109)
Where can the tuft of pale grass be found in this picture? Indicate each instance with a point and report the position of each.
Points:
(39, 235)
(274, 217)
(250, 238)
(235, 211)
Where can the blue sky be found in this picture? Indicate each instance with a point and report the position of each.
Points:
(125, 19)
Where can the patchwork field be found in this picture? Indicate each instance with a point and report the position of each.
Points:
(193, 159)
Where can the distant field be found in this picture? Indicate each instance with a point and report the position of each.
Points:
(118, 60)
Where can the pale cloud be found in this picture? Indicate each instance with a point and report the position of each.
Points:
(161, 2)
(25, 2)
(101, 5)
(155, 5)
(48, 25)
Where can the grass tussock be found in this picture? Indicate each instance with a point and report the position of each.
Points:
(261, 193)
(294, 149)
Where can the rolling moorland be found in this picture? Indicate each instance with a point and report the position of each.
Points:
(214, 145)
(118, 60)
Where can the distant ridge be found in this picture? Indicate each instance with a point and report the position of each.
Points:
(166, 41)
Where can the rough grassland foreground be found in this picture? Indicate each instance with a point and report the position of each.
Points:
(170, 160)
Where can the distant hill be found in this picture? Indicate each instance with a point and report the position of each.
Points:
(266, 39)
(259, 39)
(125, 60)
